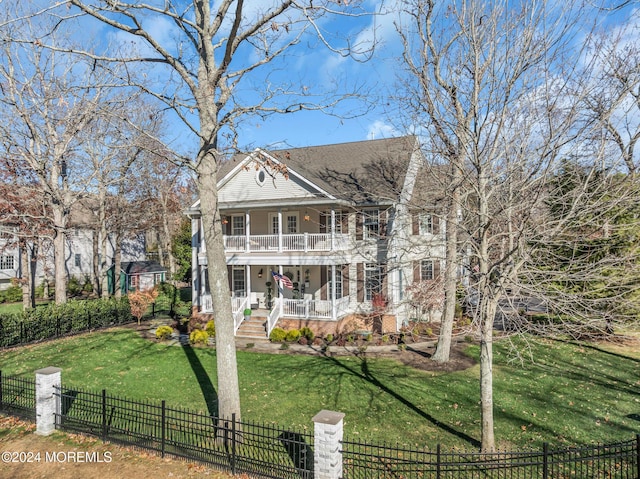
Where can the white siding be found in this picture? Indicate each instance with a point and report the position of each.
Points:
(245, 187)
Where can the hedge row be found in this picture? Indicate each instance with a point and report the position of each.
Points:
(53, 321)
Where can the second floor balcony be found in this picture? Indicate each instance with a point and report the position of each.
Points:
(302, 242)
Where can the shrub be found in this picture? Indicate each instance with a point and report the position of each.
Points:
(293, 335)
(164, 332)
(198, 336)
(303, 341)
(329, 338)
(385, 338)
(277, 335)
(53, 320)
(74, 287)
(210, 328)
(284, 346)
(12, 294)
(307, 334)
(87, 287)
(247, 312)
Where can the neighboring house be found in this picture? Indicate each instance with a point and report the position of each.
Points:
(351, 226)
(9, 266)
(82, 248)
(137, 275)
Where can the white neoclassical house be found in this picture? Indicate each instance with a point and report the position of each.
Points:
(345, 232)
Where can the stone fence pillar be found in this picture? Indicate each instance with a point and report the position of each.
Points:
(327, 432)
(47, 403)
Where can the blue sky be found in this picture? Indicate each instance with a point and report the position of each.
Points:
(319, 69)
(379, 77)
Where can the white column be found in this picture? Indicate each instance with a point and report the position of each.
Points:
(327, 435)
(247, 231)
(47, 403)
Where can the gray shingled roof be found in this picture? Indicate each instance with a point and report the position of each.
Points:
(363, 171)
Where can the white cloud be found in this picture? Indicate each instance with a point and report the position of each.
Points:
(380, 129)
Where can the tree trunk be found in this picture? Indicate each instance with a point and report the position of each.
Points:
(59, 243)
(104, 264)
(228, 387)
(167, 242)
(117, 266)
(488, 307)
(33, 267)
(95, 266)
(443, 348)
(24, 275)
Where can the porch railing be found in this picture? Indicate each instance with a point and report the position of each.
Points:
(207, 303)
(286, 242)
(273, 317)
(307, 308)
(238, 303)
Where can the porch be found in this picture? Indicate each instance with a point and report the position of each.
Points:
(283, 308)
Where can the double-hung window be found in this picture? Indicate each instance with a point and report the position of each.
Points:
(371, 223)
(426, 270)
(426, 223)
(373, 274)
(7, 262)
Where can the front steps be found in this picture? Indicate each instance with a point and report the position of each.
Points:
(253, 328)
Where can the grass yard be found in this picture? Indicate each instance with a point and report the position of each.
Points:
(570, 394)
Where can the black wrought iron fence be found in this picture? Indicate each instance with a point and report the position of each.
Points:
(18, 396)
(257, 449)
(612, 461)
(270, 451)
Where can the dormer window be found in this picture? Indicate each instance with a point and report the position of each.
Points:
(261, 176)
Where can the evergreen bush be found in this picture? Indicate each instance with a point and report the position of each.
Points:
(198, 336)
(292, 335)
(210, 328)
(164, 332)
(277, 335)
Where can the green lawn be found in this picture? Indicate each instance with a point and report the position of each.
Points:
(10, 308)
(570, 394)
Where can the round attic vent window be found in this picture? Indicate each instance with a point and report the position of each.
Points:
(261, 175)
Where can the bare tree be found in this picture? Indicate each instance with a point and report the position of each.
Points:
(160, 197)
(615, 97)
(214, 49)
(46, 104)
(488, 83)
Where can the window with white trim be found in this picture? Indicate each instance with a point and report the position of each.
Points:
(238, 225)
(371, 223)
(292, 223)
(426, 270)
(426, 223)
(7, 262)
(373, 274)
(338, 280)
(237, 279)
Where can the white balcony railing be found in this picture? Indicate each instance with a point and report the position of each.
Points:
(286, 242)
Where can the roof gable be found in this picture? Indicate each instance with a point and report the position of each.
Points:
(257, 178)
(361, 172)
